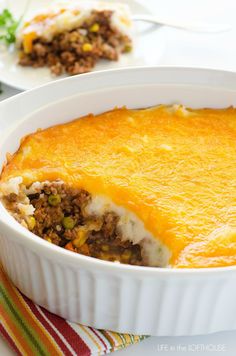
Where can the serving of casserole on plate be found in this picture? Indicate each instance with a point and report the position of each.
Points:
(150, 187)
(72, 36)
(60, 38)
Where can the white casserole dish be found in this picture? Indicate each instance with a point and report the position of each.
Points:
(101, 294)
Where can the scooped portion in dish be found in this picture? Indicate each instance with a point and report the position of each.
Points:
(150, 187)
(74, 219)
(70, 37)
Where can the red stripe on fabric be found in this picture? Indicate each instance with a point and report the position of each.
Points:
(75, 341)
(48, 327)
(97, 334)
(9, 339)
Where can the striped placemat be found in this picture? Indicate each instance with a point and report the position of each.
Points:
(32, 330)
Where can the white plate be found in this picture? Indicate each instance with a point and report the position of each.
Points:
(149, 48)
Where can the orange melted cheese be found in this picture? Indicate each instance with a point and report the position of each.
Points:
(29, 37)
(176, 172)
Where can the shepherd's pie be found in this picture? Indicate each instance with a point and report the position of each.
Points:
(150, 187)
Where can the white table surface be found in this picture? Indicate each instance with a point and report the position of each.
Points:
(186, 49)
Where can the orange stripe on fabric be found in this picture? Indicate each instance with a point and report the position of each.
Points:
(118, 338)
(42, 333)
(110, 339)
(15, 333)
(54, 332)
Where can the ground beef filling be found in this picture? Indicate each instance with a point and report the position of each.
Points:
(60, 218)
(77, 51)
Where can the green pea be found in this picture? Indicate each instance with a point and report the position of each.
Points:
(54, 199)
(68, 222)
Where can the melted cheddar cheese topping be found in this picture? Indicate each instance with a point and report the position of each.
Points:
(174, 168)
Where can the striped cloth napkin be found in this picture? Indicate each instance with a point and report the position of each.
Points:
(32, 330)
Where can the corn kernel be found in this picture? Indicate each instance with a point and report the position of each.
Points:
(87, 47)
(31, 222)
(105, 248)
(81, 238)
(105, 256)
(94, 28)
(128, 48)
(126, 255)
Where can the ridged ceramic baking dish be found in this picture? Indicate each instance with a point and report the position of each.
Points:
(102, 294)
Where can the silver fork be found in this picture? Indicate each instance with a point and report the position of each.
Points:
(191, 26)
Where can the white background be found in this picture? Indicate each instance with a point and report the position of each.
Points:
(188, 49)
